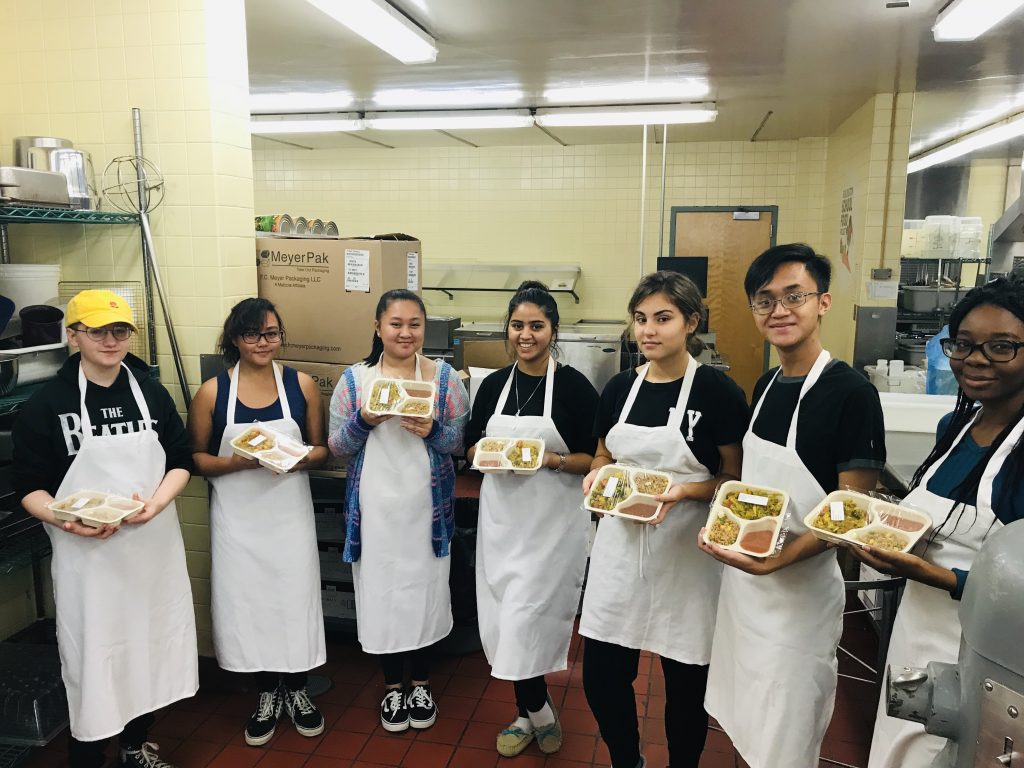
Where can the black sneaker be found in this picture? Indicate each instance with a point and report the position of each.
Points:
(394, 716)
(261, 725)
(303, 712)
(143, 757)
(422, 710)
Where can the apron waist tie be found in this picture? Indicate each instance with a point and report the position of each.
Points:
(645, 544)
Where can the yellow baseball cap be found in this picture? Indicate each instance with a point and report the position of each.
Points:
(96, 309)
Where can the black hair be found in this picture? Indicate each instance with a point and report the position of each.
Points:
(385, 301)
(762, 269)
(681, 291)
(245, 317)
(535, 292)
(1007, 293)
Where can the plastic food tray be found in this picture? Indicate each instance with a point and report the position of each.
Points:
(901, 526)
(95, 508)
(272, 449)
(625, 491)
(398, 397)
(501, 455)
(741, 525)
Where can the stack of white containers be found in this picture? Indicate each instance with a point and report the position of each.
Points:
(942, 237)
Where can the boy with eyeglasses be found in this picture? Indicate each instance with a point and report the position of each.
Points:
(125, 624)
(816, 427)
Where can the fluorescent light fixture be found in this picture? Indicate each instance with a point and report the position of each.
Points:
(681, 89)
(272, 103)
(445, 121)
(461, 97)
(379, 23)
(971, 122)
(969, 19)
(652, 114)
(306, 125)
(986, 137)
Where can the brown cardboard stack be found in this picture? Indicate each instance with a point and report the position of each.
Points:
(326, 376)
(327, 290)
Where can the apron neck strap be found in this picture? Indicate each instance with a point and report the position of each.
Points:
(282, 397)
(675, 417)
(809, 381)
(995, 464)
(549, 388)
(140, 401)
(379, 367)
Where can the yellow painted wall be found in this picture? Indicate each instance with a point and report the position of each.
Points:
(74, 68)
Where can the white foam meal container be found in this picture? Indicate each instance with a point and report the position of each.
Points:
(399, 397)
(95, 508)
(746, 509)
(272, 449)
(626, 491)
(501, 455)
(884, 525)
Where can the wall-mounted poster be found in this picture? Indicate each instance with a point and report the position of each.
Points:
(846, 227)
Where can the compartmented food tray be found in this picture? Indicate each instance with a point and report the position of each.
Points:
(500, 455)
(625, 491)
(399, 397)
(845, 517)
(746, 518)
(275, 451)
(95, 508)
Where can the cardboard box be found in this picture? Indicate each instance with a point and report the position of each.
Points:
(482, 353)
(333, 568)
(327, 290)
(339, 600)
(327, 376)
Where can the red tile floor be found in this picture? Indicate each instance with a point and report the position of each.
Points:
(206, 731)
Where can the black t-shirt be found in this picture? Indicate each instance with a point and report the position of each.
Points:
(572, 409)
(717, 398)
(840, 425)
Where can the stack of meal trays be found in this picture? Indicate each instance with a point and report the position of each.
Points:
(847, 517)
(625, 491)
(95, 508)
(746, 518)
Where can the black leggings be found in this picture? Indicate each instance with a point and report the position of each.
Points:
(531, 695)
(608, 674)
(393, 665)
(92, 754)
(270, 681)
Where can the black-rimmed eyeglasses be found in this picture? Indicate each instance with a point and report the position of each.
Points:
(119, 332)
(253, 337)
(790, 301)
(995, 351)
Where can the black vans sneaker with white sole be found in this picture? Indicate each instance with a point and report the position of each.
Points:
(394, 715)
(303, 712)
(422, 710)
(263, 722)
(143, 757)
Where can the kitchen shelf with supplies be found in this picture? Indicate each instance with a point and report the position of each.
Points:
(930, 287)
(21, 214)
(452, 277)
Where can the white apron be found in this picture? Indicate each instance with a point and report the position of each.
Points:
(402, 596)
(126, 628)
(772, 682)
(649, 587)
(265, 569)
(927, 624)
(531, 551)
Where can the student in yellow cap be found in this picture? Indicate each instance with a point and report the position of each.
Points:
(125, 626)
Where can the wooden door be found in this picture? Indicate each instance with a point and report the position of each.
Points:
(730, 245)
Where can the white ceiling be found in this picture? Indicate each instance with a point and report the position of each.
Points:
(810, 62)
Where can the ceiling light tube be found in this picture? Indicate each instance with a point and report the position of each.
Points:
(651, 114)
(682, 89)
(446, 121)
(379, 23)
(969, 19)
(462, 97)
(987, 137)
(275, 103)
(342, 123)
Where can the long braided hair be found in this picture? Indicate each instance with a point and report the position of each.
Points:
(1007, 293)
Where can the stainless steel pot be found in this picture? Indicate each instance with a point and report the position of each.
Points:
(912, 351)
(22, 144)
(76, 165)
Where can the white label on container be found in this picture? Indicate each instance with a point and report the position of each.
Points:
(837, 511)
(357, 270)
(257, 440)
(526, 456)
(609, 489)
(757, 501)
(385, 394)
(80, 503)
(412, 271)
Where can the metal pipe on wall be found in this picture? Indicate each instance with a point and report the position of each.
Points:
(661, 223)
(140, 173)
(643, 197)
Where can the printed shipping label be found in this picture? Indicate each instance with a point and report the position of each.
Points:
(357, 270)
(412, 271)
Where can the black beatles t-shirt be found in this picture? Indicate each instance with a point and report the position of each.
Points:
(840, 425)
(716, 413)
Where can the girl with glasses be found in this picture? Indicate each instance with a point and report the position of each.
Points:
(265, 578)
(970, 484)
